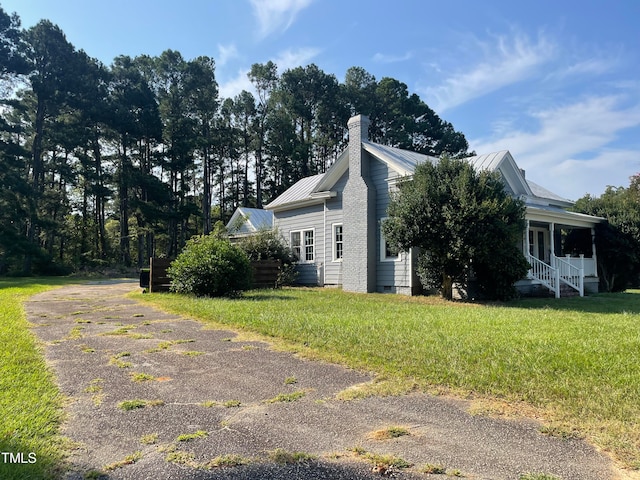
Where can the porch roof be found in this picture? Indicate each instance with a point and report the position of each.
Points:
(558, 215)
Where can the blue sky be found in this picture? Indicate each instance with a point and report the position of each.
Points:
(555, 82)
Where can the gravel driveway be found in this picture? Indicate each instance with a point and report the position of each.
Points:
(204, 404)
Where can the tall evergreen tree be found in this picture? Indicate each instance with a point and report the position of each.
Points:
(264, 78)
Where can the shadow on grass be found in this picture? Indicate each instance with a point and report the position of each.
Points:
(622, 303)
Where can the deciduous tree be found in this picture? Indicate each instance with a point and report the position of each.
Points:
(462, 221)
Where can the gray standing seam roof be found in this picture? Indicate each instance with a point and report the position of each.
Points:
(405, 162)
(259, 218)
(297, 192)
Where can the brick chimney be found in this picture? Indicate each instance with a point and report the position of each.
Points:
(359, 214)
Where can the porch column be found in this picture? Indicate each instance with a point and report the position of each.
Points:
(593, 251)
(526, 240)
(552, 246)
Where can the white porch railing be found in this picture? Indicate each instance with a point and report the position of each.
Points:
(545, 274)
(569, 273)
(560, 270)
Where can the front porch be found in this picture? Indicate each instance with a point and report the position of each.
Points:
(560, 247)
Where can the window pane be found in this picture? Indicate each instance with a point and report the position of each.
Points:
(337, 242)
(308, 245)
(295, 244)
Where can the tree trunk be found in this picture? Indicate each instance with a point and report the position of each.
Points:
(447, 287)
(123, 191)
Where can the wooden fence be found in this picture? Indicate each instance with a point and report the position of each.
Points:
(158, 279)
(265, 274)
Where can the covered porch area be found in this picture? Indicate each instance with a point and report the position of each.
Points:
(560, 247)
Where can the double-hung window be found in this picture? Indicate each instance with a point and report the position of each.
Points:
(302, 244)
(338, 245)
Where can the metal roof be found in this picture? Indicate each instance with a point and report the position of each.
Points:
(257, 217)
(254, 219)
(490, 161)
(299, 191)
(542, 192)
(403, 161)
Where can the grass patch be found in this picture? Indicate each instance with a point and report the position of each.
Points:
(283, 457)
(431, 469)
(140, 377)
(140, 336)
(573, 360)
(75, 333)
(231, 404)
(192, 353)
(128, 405)
(128, 460)
(118, 362)
(180, 457)
(149, 439)
(380, 460)
(389, 433)
(187, 437)
(95, 386)
(227, 461)
(286, 397)
(30, 403)
(208, 404)
(290, 381)
(120, 331)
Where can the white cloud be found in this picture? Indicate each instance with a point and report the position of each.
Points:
(285, 60)
(292, 58)
(234, 86)
(572, 151)
(591, 66)
(508, 60)
(226, 53)
(273, 15)
(386, 58)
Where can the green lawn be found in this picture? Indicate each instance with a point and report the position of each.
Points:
(576, 361)
(30, 403)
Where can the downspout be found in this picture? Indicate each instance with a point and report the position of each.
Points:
(324, 240)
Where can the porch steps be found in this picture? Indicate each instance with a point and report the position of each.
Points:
(567, 291)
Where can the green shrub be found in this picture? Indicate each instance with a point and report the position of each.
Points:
(210, 266)
(269, 245)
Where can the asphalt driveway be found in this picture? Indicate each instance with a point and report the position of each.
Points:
(155, 396)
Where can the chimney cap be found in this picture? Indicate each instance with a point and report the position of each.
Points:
(358, 119)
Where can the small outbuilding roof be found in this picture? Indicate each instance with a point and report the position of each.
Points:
(249, 220)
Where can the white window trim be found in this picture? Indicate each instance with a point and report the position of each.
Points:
(383, 248)
(303, 255)
(334, 243)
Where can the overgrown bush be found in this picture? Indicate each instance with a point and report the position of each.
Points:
(210, 266)
(269, 245)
